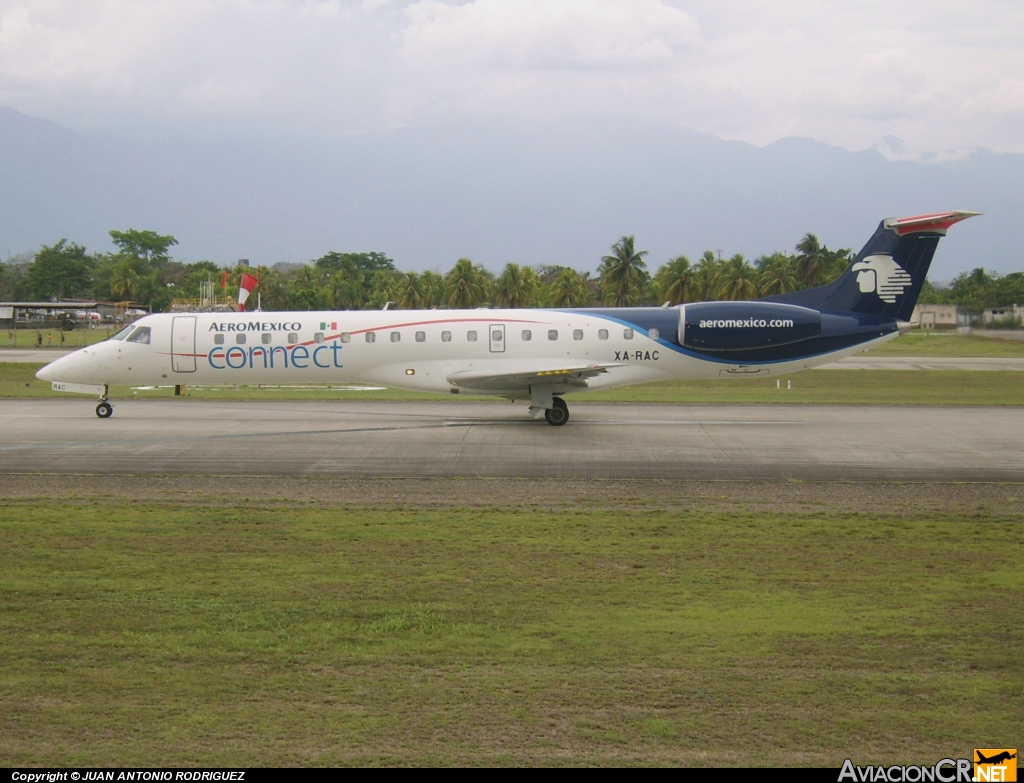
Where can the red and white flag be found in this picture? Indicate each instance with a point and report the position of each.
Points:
(245, 286)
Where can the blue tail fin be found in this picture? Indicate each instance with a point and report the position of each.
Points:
(886, 277)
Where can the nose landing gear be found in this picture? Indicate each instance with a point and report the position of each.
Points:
(104, 410)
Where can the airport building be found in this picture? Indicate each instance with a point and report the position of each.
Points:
(939, 316)
(948, 316)
(67, 314)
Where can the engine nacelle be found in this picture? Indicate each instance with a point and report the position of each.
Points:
(738, 326)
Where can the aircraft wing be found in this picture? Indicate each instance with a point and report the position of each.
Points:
(570, 374)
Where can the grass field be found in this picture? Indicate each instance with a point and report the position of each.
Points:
(219, 631)
(861, 387)
(950, 344)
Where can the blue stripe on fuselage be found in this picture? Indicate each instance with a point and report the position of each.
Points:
(867, 328)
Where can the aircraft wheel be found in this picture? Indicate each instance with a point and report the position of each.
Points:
(104, 410)
(558, 414)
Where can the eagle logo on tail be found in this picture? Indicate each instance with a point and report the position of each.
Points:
(883, 276)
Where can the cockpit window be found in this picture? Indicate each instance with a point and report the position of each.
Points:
(123, 333)
(140, 335)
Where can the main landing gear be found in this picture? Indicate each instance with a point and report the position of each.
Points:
(558, 413)
(104, 410)
(544, 402)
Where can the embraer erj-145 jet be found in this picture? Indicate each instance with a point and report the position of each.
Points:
(535, 355)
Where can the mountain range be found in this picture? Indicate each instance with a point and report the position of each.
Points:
(558, 194)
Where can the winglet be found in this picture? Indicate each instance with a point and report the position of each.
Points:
(936, 223)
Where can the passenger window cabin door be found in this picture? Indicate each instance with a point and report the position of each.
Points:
(496, 334)
(183, 343)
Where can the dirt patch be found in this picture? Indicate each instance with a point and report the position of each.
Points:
(775, 496)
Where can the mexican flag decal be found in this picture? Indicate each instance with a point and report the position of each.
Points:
(324, 326)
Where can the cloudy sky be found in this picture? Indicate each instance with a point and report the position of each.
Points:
(910, 77)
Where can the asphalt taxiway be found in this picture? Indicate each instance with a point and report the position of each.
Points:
(606, 441)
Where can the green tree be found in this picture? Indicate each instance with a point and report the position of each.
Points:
(676, 282)
(776, 275)
(975, 289)
(14, 277)
(410, 292)
(368, 263)
(624, 274)
(61, 270)
(569, 289)
(346, 287)
(125, 281)
(707, 272)
(466, 285)
(515, 286)
(273, 289)
(385, 286)
(147, 246)
(932, 295)
(149, 293)
(305, 292)
(348, 278)
(810, 261)
(1009, 290)
(546, 276)
(197, 274)
(736, 280)
(835, 263)
(433, 288)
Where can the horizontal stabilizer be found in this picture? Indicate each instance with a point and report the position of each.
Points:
(938, 222)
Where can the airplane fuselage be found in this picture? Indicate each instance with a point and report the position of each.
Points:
(538, 355)
(451, 350)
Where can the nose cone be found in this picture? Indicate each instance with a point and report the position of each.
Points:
(61, 370)
(46, 373)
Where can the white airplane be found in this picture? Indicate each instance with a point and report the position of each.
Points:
(535, 355)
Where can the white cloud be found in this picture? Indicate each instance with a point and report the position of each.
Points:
(940, 76)
(545, 34)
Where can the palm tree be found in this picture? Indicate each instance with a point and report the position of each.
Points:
(736, 280)
(516, 286)
(385, 288)
(124, 280)
(305, 289)
(624, 274)
(569, 289)
(345, 287)
(273, 290)
(706, 271)
(465, 285)
(433, 288)
(836, 262)
(810, 264)
(410, 292)
(677, 282)
(776, 274)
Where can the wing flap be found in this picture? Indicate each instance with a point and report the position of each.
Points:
(489, 380)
